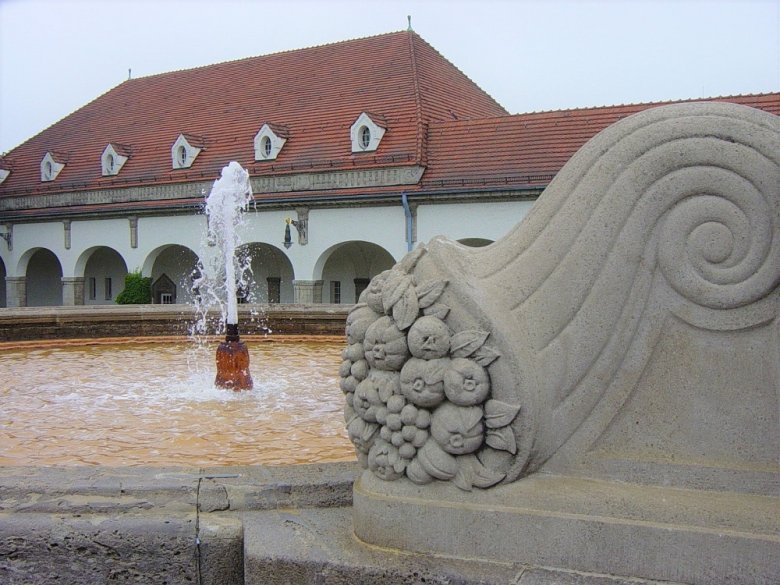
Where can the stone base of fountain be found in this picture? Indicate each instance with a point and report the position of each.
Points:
(233, 362)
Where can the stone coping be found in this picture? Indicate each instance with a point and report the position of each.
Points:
(94, 321)
(121, 490)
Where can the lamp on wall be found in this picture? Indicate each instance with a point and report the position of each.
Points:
(8, 237)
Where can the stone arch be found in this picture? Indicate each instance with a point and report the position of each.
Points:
(179, 263)
(104, 270)
(346, 268)
(475, 242)
(271, 277)
(43, 277)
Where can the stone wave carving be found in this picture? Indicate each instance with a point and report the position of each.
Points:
(673, 211)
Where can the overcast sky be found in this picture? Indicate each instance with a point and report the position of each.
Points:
(57, 55)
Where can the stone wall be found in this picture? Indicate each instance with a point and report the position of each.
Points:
(31, 323)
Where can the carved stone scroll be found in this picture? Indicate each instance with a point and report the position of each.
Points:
(626, 331)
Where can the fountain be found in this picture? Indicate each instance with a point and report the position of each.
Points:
(222, 272)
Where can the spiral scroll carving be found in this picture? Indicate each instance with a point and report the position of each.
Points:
(716, 244)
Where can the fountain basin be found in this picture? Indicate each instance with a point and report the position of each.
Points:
(152, 402)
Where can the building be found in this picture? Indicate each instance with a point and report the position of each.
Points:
(368, 146)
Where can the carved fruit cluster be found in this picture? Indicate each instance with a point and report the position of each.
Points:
(418, 394)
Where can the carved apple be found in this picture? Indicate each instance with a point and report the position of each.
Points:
(385, 345)
(458, 429)
(429, 338)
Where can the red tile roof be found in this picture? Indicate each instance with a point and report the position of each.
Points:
(528, 148)
(315, 93)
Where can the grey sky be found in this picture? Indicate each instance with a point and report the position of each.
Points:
(57, 55)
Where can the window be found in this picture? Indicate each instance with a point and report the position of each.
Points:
(365, 137)
(268, 141)
(51, 167)
(92, 288)
(107, 289)
(185, 150)
(274, 289)
(335, 291)
(113, 159)
(166, 299)
(366, 132)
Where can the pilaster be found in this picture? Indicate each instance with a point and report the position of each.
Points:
(307, 292)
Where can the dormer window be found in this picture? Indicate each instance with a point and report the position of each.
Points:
(269, 141)
(185, 150)
(113, 159)
(366, 133)
(50, 168)
(4, 174)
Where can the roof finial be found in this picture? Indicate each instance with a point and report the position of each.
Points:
(129, 73)
(409, 18)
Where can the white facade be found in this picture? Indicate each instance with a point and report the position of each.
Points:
(84, 261)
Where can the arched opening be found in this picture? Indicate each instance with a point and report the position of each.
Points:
(271, 276)
(348, 267)
(475, 242)
(104, 275)
(44, 279)
(173, 269)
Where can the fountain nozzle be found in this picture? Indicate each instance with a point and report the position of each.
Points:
(233, 362)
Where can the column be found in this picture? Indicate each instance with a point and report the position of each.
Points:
(307, 292)
(72, 290)
(15, 291)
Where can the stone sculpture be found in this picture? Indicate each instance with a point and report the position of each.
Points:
(625, 331)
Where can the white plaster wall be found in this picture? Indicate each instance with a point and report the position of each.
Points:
(469, 220)
(27, 237)
(329, 228)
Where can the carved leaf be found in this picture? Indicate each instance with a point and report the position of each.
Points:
(405, 310)
(502, 439)
(471, 473)
(439, 310)
(485, 477)
(429, 292)
(394, 288)
(485, 356)
(499, 414)
(409, 261)
(464, 479)
(437, 462)
(464, 343)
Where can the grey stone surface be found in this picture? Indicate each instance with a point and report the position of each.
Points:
(315, 546)
(626, 331)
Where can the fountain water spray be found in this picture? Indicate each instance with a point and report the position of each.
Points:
(221, 270)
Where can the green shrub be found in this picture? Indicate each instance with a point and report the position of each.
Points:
(138, 290)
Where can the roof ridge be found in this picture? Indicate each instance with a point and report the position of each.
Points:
(651, 103)
(265, 55)
(459, 70)
(417, 98)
